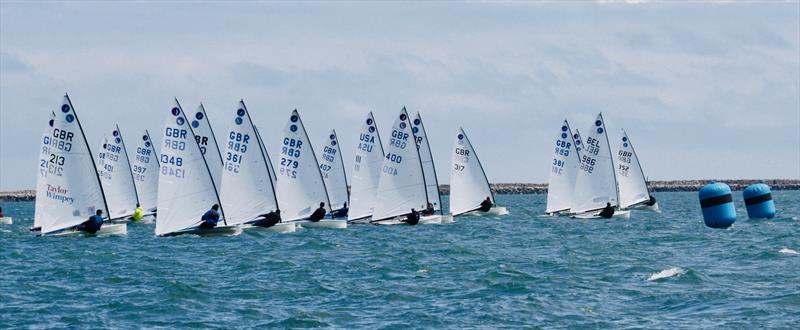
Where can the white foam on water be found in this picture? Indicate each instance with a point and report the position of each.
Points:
(666, 273)
(788, 251)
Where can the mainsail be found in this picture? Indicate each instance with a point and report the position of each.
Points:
(632, 184)
(366, 170)
(41, 172)
(247, 188)
(468, 183)
(145, 169)
(186, 189)
(596, 183)
(428, 167)
(563, 170)
(116, 176)
(300, 186)
(204, 135)
(71, 190)
(331, 166)
(402, 181)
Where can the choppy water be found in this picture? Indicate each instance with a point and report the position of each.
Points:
(655, 271)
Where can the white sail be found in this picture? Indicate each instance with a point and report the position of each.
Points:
(145, 167)
(596, 183)
(266, 154)
(428, 167)
(563, 170)
(468, 183)
(632, 184)
(71, 190)
(331, 166)
(300, 186)
(366, 170)
(578, 143)
(116, 176)
(41, 172)
(402, 182)
(204, 135)
(247, 188)
(185, 187)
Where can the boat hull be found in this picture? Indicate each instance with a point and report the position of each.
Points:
(435, 219)
(110, 229)
(494, 211)
(282, 227)
(645, 207)
(618, 214)
(216, 231)
(326, 224)
(6, 221)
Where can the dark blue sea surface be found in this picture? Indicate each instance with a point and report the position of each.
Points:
(656, 270)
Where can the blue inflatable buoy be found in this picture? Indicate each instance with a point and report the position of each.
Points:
(758, 200)
(717, 205)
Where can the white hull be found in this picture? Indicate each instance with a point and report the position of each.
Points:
(494, 211)
(108, 229)
(6, 221)
(327, 224)
(645, 207)
(282, 227)
(618, 214)
(216, 231)
(435, 219)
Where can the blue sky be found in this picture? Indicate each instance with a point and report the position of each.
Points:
(703, 89)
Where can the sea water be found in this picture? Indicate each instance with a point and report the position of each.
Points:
(656, 270)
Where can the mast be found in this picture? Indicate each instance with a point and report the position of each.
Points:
(341, 163)
(611, 156)
(263, 156)
(433, 164)
(94, 166)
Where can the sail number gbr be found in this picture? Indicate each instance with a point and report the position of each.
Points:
(61, 140)
(237, 146)
(462, 157)
(172, 165)
(290, 157)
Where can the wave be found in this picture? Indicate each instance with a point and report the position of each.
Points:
(667, 273)
(788, 251)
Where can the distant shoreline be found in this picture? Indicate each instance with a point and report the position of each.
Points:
(535, 188)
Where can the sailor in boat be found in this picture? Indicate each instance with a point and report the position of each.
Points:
(342, 212)
(413, 217)
(607, 211)
(319, 213)
(429, 210)
(652, 201)
(210, 218)
(1, 213)
(138, 213)
(269, 219)
(486, 205)
(92, 225)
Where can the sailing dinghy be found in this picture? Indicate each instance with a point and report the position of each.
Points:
(300, 186)
(186, 189)
(145, 167)
(366, 172)
(331, 166)
(248, 190)
(563, 171)
(116, 177)
(70, 191)
(402, 182)
(429, 168)
(633, 193)
(468, 183)
(596, 183)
